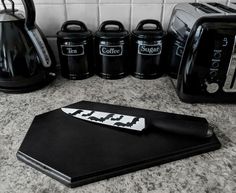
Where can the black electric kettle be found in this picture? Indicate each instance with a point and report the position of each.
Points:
(26, 60)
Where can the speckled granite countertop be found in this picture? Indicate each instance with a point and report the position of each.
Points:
(211, 172)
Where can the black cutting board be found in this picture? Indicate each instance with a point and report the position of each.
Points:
(76, 152)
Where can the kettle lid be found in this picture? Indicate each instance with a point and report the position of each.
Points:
(153, 32)
(74, 29)
(116, 32)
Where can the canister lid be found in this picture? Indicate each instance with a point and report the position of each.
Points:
(74, 29)
(142, 30)
(111, 29)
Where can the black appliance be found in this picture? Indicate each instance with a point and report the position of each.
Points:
(147, 43)
(75, 46)
(202, 56)
(26, 60)
(111, 47)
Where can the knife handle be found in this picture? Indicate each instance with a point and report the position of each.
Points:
(184, 125)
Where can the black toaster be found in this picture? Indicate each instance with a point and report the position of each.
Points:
(202, 56)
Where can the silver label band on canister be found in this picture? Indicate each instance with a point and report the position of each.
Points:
(150, 49)
(72, 50)
(111, 50)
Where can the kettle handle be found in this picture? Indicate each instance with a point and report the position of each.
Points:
(29, 13)
(111, 22)
(12, 5)
(35, 34)
(149, 21)
(4, 5)
(76, 23)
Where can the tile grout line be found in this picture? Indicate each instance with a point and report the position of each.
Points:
(65, 7)
(162, 13)
(130, 15)
(99, 13)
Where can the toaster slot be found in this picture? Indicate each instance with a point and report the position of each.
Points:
(230, 83)
(204, 8)
(223, 7)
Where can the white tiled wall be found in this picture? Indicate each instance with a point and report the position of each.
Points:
(52, 13)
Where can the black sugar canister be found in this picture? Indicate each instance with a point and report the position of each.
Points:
(147, 44)
(111, 47)
(75, 46)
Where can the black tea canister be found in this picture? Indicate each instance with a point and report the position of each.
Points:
(111, 47)
(147, 44)
(75, 45)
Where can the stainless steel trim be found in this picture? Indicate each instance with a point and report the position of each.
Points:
(7, 17)
(230, 83)
(40, 47)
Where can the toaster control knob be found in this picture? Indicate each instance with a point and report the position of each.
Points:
(212, 88)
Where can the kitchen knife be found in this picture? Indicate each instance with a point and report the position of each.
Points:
(179, 124)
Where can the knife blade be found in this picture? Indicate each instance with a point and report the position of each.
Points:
(178, 124)
(111, 119)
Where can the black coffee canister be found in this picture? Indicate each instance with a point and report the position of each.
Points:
(75, 45)
(111, 47)
(147, 44)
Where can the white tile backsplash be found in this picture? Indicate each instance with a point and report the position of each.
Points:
(167, 11)
(52, 13)
(81, 1)
(88, 13)
(120, 12)
(147, 1)
(145, 11)
(115, 1)
(50, 17)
